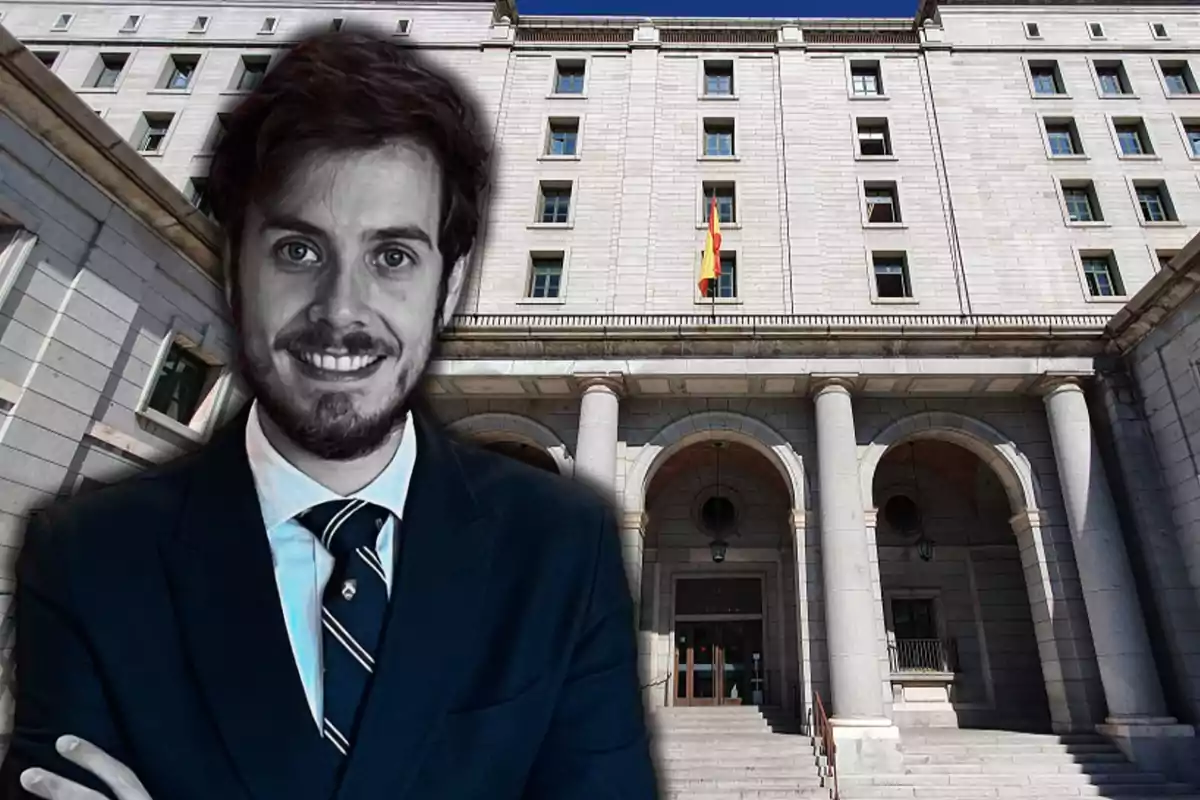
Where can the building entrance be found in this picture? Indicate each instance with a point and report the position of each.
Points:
(719, 656)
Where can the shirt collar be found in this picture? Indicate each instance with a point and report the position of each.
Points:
(284, 491)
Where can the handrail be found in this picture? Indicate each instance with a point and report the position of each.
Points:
(923, 655)
(824, 737)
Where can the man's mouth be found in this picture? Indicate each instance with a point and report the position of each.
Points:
(336, 364)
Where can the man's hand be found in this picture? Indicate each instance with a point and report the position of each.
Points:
(120, 779)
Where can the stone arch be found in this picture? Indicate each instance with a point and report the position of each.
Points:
(494, 426)
(995, 449)
(706, 426)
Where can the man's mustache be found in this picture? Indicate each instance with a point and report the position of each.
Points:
(323, 336)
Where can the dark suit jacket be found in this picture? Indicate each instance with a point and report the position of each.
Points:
(149, 623)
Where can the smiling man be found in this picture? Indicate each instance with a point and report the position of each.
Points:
(333, 598)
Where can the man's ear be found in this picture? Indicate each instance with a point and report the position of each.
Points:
(455, 284)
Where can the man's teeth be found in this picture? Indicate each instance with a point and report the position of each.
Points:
(332, 363)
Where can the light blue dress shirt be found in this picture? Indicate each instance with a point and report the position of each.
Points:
(302, 564)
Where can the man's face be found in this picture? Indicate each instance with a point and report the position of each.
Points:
(339, 277)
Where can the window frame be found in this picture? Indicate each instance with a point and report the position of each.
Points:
(556, 71)
(190, 191)
(162, 86)
(1157, 252)
(1189, 78)
(1166, 199)
(39, 52)
(203, 28)
(932, 595)
(896, 185)
(1082, 254)
(1181, 125)
(1093, 34)
(531, 256)
(1029, 34)
(722, 119)
(881, 79)
(702, 88)
(240, 72)
(554, 181)
(202, 347)
(1060, 81)
(56, 27)
(547, 130)
(1147, 141)
(403, 26)
(1099, 218)
(736, 299)
(1154, 26)
(135, 27)
(1096, 64)
(890, 253)
(15, 255)
(702, 201)
(856, 142)
(1045, 120)
(271, 29)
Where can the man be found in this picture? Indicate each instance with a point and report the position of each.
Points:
(333, 599)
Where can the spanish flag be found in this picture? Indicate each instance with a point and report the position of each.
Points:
(710, 265)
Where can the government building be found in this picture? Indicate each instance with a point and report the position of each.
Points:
(909, 498)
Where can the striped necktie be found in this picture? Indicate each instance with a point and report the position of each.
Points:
(352, 612)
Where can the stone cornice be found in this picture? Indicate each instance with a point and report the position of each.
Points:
(1170, 288)
(39, 102)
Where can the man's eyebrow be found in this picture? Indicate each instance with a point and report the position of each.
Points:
(411, 232)
(288, 223)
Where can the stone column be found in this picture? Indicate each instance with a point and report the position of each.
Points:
(633, 538)
(596, 444)
(866, 739)
(1137, 711)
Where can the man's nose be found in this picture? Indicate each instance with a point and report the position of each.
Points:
(341, 299)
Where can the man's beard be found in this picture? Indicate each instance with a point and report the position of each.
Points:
(333, 430)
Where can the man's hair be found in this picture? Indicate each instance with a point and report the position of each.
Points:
(335, 92)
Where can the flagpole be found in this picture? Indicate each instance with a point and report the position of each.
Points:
(712, 209)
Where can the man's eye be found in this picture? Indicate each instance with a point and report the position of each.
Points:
(299, 253)
(393, 258)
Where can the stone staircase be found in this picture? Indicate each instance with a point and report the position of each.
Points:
(951, 764)
(734, 753)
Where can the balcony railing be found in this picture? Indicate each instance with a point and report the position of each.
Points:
(923, 655)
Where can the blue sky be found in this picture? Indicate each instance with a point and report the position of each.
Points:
(724, 8)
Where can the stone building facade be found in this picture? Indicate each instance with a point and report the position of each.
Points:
(902, 460)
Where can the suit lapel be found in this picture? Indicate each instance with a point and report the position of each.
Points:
(223, 585)
(438, 591)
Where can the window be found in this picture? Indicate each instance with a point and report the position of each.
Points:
(554, 203)
(186, 388)
(48, 57)
(1033, 30)
(403, 27)
(269, 25)
(914, 618)
(1079, 197)
(883, 202)
(1132, 138)
(563, 139)
(152, 132)
(1191, 132)
(1095, 30)
(718, 78)
(337, 23)
(568, 77)
(1046, 78)
(62, 22)
(1154, 201)
(15, 245)
(107, 70)
(718, 137)
(1100, 275)
(545, 276)
(1178, 78)
(874, 138)
(865, 79)
(179, 72)
(132, 23)
(200, 25)
(198, 195)
(1062, 137)
(725, 286)
(251, 73)
(725, 195)
(1159, 31)
(1164, 258)
(1113, 80)
(891, 276)
(217, 132)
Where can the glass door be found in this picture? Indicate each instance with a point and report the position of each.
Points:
(697, 659)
